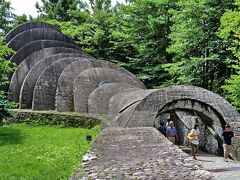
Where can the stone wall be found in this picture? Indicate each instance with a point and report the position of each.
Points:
(54, 118)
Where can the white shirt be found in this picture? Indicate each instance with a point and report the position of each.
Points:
(195, 140)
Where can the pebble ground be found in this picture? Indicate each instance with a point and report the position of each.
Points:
(139, 153)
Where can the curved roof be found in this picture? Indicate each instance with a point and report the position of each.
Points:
(26, 26)
(25, 66)
(35, 34)
(147, 110)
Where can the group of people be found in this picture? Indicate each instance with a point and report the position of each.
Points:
(171, 133)
(227, 137)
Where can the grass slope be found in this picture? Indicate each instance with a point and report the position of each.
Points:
(41, 152)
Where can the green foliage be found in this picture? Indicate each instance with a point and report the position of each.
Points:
(198, 52)
(42, 152)
(5, 68)
(4, 106)
(53, 118)
(232, 89)
(6, 16)
(163, 42)
(230, 32)
(61, 10)
(5, 65)
(20, 20)
(148, 24)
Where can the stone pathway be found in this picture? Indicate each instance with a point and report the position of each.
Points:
(222, 170)
(138, 153)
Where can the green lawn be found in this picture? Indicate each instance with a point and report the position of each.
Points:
(43, 152)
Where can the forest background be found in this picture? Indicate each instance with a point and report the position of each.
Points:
(163, 42)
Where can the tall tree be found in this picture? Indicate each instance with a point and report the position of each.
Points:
(61, 10)
(5, 67)
(230, 32)
(99, 33)
(6, 16)
(198, 52)
(148, 25)
(102, 34)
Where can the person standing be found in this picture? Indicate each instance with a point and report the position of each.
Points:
(194, 141)
(171, 132)
(168, 123)
(162, 128)
(227, 136)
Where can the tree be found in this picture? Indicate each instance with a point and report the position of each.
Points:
(101, 32)
(230, 32)
(147, 22)
(5, 67)
(6, 16)
(198, 52)
(61, 10)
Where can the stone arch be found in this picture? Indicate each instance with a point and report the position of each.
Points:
(34, 46)
(46, 85)
(28, 84)
(212, 120)
(64, 99)
(98, 100)
(122, 105)
(200, 107)
(212, 109)
(35, 34)
(147, 110)
(27, 26)
(25, 66)
(89, 80)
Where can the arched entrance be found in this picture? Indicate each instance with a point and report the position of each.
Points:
(185, 113)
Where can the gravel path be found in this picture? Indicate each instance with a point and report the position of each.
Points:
(139, 153)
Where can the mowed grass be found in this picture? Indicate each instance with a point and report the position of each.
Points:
(44, 152)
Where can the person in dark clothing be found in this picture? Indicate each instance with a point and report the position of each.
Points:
(227, 136)
(162, 128)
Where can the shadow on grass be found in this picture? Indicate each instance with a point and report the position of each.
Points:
(9, 136)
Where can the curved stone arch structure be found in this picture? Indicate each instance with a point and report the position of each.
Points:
(201, 109)
(122, 105)
(212, 120)
(64, 99)
(98, 100)
(147, 110)
(27, 26)
(46, 85)
(25, 66)
(27, 88)
(88, 81)
(34, 46)
(31, 35)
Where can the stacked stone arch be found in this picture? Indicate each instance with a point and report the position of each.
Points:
(53, 73)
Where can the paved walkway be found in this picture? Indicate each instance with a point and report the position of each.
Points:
(216, 165)
(139, 153)
(222, 170)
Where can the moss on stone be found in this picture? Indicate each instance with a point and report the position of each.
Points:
(54, 118)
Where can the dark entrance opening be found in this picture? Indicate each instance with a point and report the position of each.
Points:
(185, 113)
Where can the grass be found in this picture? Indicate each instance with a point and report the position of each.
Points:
(41, 152)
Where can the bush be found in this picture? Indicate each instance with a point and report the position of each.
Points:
(4, 106)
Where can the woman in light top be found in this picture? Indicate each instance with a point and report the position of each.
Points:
(193, 138)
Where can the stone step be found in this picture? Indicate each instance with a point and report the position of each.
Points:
(185, 149)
